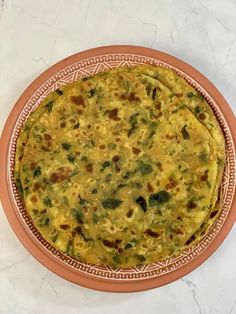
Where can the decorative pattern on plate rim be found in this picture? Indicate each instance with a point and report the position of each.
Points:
(89, 67)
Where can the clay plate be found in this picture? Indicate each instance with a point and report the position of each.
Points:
(96, 276)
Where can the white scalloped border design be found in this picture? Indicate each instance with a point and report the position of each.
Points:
(89, 67)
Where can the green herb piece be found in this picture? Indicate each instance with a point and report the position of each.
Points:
(94, 191)
(111, 146)
(204, 156)
(134, 242)
(145, 168)
(35, 211)
(141, 258)
(75, 172)
(66, 146)
(43, 221)
(47, 201)
(54, 237)
(116, 259)
(191, 94)
(131, 244)
(148, 88)
(159, 198)
(135, 184)
(37, 172)
(154, 92)
(25, 168)
(59, 92)
(77, 214)
(105, 165)
(71, 157)
(27, 180)
(108, 177)
(70, 248)
(82, 201)
(92, 92)
(76, 126)
(111, 203)
(185, 133)
(199, 96)
(128, 175)
(197, 109)
(95, 218)
(128, 246)
(84, 158)
(19, 185)
(85, 78)
(142, 203)
(49, 106)
(133, 121)
(121, 185)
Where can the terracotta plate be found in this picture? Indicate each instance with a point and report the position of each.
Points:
(103, 277)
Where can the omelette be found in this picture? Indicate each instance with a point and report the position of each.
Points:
(122, 168)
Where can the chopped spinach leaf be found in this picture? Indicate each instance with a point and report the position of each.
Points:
(59, 92)
(77, 214)
(66, 146)
(47, 201)
(145, 168)
(133, 121)
(71, 157)
(191, 94)
(159, 198)
(95, 218)
(69, 249)
(128, 174)
(128, 246)
(204, 156)
(43, 221)
(19, 185)
(108, 177)
(76, 126)
(154, 92)
(141, 258)
(135, 184)
(116, 259)
(111, 203)
(92, 92)
(84, 158)
(105, 165)
(148, 88)
(37, 172)
(49, 106)
(197, 109)
(82, 201)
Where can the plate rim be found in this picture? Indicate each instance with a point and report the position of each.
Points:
(23, 234)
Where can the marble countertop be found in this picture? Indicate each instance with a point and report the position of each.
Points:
(36, 34)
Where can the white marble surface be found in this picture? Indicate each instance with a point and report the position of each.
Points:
(36, 34)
